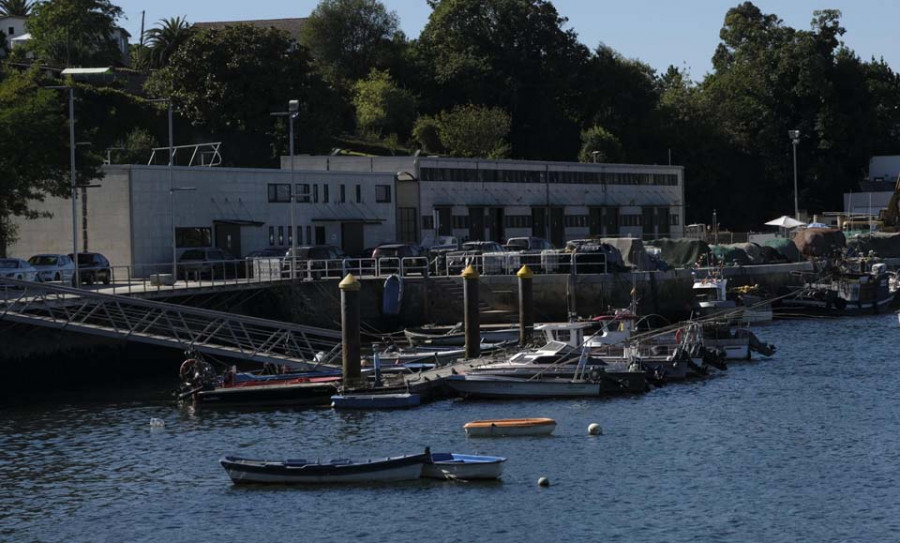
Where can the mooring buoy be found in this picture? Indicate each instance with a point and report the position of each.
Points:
(594, 429)
(543, 481)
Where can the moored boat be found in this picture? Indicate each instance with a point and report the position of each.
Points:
(342, 471)
(540, 426)
(375, 401)
(466, 467)
(456, 337)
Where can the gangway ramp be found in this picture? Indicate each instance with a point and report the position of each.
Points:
(170, 325)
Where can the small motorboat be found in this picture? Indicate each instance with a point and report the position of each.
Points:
(463, 466)
(397, 468)
(375, 401)
(510, 427)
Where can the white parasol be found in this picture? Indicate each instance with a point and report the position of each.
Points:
(785, 222)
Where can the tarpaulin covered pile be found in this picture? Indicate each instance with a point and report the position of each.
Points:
(883, 244)
(819, 241)
(783, 248)
(633, 252)
(680, 253)
(729, 255)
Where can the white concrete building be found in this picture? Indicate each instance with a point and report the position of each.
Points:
(11, 27)
(129, 217)
(877, 189)
(497, 199)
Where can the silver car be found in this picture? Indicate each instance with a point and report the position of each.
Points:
(16, 268)
(53, 267)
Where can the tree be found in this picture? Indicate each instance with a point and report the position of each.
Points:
(135, 147)
(347, 38)
(474, 131)
(599, 145)
(427, 132)
(512, 54)
(16, 8)
(166, 38)
(226, 82)
(75, 32)
(34, 154)
(382, 107)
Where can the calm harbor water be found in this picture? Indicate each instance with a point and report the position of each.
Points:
(799, 447)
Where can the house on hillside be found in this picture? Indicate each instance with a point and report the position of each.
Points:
(15, 32)
(12, 26)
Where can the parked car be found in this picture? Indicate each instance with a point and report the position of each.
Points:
(444, 244)
(485, 256)
(269, 252)
(207, 262)
(531, 250)
(389, 256)
(53, 267)
(16, 268)
(314, 261)
(93, 268)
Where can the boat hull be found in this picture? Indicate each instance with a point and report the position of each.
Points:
(512, 387)
(510, 427)
(302, 394)
(244, 471)
(375, 401)
(458, 339)
(464, 467)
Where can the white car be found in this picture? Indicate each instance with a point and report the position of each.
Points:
(53, 267)
(16, 268)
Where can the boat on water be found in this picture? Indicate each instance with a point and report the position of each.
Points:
(847, 289)
(741, 306)
(375, 401)
(455, 336)
(540, 426)
(340, 471)
(466, 467)
(499, 386)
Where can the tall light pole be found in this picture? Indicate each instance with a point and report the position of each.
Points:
(73, 182)
(292, 113)
(795, 139)
(172, 192)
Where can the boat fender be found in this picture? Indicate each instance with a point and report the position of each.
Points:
(679, 334)
(594, 375)
(186, 367)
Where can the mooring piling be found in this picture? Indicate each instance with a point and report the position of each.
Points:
(526, 304)
(350, 340)
(470, 308)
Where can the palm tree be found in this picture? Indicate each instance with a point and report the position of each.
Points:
(166, 38)
(20, 8)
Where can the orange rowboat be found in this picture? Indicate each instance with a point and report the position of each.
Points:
(510, 427)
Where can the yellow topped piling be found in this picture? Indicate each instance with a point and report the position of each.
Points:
(470, 273)
(524, 272)
(349, 283)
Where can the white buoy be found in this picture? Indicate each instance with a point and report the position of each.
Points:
(157, 423)
(594, 429)
(543, 481)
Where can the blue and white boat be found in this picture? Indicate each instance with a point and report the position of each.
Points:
(398, 468)
(463, 466)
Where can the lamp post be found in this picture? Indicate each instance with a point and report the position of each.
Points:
(172, 192)
(795, 139)
(73, 182)
(292, 113)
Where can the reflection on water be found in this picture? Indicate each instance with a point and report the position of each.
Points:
(800, 447)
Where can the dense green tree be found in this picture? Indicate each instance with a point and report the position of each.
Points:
(512, 54)
(227, 82)
(17, 8)
(75, 32)
(474, 131)
(382, 107)
(347, 38)
(164, 39)
(34, 148)
(427, 133)
(135, 147)
(599, 145)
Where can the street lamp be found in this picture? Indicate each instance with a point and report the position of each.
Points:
(292, 113)
(172, 192)
(72, 175)
(795, 139)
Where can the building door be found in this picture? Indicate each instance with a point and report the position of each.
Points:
(352, 240)
(557, 226)
(228, 238)
(595, 221)
(610, 221)
(539, 222)
(495, 224)
(445, 221)
(662, 222)
(476, 223)
(320, 235)
(648, 215)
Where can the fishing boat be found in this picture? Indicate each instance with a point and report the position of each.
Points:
(375, 401)
(455, 336)
(713, 299)
(465, 467)
(844, 290)
(341, 471)
(510, 427)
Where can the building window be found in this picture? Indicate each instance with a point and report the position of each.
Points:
(383, 194)
(427, 222)
(343, 193)
(280, 235)
(576, 221)
(12, 30)
(325, 193)
(316, 193)
(674, 219)
(460, 222)
(358, 194)
(193, 237)
(630, 220)
(290, 240)
(320, 235)
(309, 240)
(279, 192)
(517, 221)
(408, 230)
(271, 236)
(299, 235)
(302, 192)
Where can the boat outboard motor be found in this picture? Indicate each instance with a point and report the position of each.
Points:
(715, 358)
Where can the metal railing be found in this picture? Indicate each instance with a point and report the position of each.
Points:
(170, 325)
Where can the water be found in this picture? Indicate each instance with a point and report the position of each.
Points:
(801, 447)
